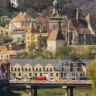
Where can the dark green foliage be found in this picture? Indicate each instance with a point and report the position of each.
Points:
(63, 51)
(91, 72)
(4, 39)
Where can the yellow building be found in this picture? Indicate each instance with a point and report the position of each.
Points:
(33, 38)
(32, 68)
(30, 37)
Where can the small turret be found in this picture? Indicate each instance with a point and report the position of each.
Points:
(31, 28)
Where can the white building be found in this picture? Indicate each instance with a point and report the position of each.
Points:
(73, 68)
(22, 20)
(55, 40)
(14, 3)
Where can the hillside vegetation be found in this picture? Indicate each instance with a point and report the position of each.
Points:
(37, 7)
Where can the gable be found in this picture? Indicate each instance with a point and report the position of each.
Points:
(38, 65)
(4, 50)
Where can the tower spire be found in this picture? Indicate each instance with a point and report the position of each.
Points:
(77, 14)
(55, 9)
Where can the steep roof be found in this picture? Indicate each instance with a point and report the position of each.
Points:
(56, 35)
(70, 25)
(31, 28)
(92, 19)
(4, 62)
(12, 46)
(20, 17)
(79, 25)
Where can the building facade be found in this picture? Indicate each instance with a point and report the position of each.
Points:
(55, 17)
(30, 37)
(22, 20)
(78, 33)
(18, 35)
(55, 41)
(73, 68)
(70, 68)
(30, 69)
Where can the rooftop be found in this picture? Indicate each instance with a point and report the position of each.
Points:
(21, 17)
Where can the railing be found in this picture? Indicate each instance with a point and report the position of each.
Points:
(52, 82)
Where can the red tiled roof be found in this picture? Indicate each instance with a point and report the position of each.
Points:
(70, 25)
(55, 35)
(20, 17)
(42, 20)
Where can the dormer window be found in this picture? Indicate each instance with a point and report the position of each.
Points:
(25, 69)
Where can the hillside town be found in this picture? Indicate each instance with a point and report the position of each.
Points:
(53, 48)
(26, 35)
(30, 40)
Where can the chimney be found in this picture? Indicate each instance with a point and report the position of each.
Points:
(77, 14)
(20, 13)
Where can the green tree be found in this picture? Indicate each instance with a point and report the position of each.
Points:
(63, 51)
(91, 72)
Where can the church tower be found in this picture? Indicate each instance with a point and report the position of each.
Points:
(30, 37)
(55, 17)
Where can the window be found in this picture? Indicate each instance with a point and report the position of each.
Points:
(36, 69)
(81, 74)
(25, 69)
(35, 74)
(50, 69)
(61, 74)
(64, 74)
(15, 69)
(79, 69)
(19, 74)
(62, 64)
(39, 69)
(79, 65)
(71, 64)
(51, 74)
(40, 74)
(62, 69)
(29, 69)
(18, 69)
(47, 69)
(56, 74)
(30, 74)
(71, 69)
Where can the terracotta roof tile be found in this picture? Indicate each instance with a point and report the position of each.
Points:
(20, 29)
(42, 20)
(80, 25)
(70, 25)
(20, 17)
(83, 31)
(55, 35)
